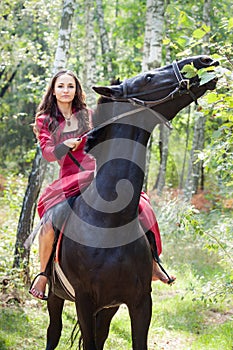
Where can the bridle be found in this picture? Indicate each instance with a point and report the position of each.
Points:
(183, 87)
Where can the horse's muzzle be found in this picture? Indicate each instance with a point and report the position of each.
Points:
(211, 85)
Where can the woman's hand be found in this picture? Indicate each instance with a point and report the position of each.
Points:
(73, 143)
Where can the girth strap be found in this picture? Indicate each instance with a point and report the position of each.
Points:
(58, 270)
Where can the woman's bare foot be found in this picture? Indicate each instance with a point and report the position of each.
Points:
(159, 275)
(38, 287)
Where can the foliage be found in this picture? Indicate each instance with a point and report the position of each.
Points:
(218, 157)
(11, 279)
(205, 74)
(181, 222)
(196, 37)
(27, 32)
(29, 54)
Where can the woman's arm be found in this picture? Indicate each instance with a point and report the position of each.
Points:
(50, 150)
(45, 138)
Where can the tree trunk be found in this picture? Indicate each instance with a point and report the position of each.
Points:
(152, 52)
(89, 70)
(196, 171)
(114, 39)
(105, 47)
(63, 45)
(163, 144)
(195, 166)
(206, 19)
(164, 141)
(28, 210)
(181, 184)
(148, 156)
(39, 166)
(8, 82)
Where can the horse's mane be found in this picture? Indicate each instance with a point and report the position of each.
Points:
(102, 113)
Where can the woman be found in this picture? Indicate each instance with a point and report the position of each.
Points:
(61, 119)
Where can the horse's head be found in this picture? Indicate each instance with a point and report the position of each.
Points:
(165, 89)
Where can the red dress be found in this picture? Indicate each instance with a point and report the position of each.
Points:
(72, 180)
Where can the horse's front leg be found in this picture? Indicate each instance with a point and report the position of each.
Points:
(55, 307)
(85, 313)
(102, 324)
(140, 316)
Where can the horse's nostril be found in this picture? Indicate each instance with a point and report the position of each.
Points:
(206, 60)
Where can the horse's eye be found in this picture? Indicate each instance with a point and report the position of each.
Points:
(148, 78)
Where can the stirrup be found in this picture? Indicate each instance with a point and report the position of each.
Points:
(45, 297)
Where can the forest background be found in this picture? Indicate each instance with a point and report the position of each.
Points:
(190, 168)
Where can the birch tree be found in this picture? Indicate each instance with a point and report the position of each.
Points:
(164, 150)
(89, 70)
(63, 45)
(164, 133)
(186, 151)
(152, 50)
(195, 174)
(36, 177)
(194, 168)
(104, 41)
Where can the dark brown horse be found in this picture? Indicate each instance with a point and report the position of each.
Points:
(105, 254)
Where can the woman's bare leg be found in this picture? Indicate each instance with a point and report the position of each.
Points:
(46, 239)
(159, 275)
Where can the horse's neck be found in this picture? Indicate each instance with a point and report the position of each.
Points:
(121, 164)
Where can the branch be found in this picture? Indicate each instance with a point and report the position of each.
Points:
(8, 83)
(220, 245)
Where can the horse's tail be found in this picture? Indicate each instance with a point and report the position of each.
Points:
(74, 335)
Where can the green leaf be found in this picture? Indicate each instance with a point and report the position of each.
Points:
(166, 41)
(189, 71)
(212, 97)
(206, 28)
(199, 33)
(230, 24)
(205, 78)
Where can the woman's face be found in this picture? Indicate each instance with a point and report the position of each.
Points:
(65, 88)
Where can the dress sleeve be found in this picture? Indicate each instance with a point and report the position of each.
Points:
(46, 139)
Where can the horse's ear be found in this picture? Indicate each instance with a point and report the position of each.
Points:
(102, 90)
(108, 91)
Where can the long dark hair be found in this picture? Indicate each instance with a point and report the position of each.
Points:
(48, 105)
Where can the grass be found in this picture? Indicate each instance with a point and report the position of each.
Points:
(22, 328)
(178, 321)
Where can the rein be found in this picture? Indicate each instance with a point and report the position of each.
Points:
(120, 116)
(116, 118)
